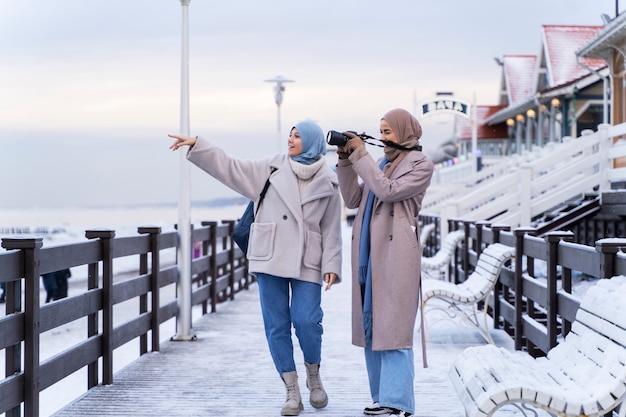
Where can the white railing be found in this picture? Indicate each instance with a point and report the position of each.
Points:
(519, 188)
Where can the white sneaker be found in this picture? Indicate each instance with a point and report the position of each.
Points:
(376, 410)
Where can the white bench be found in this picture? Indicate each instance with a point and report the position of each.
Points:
(462, 299)
(584, 375)
(436, 263)
(425, 232)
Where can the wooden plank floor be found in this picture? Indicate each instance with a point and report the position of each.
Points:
(228, 371)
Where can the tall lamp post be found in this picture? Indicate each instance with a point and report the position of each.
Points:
(510, 123)
(519, 119)
(279, 88)
(183, 321)
(540, 122)
(475, 135)
(530, 124)
(554, 107)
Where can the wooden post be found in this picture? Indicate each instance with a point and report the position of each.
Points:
(30, 249)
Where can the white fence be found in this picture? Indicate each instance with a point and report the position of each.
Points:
(515, 189)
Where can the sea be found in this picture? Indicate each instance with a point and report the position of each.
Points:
(62, 225)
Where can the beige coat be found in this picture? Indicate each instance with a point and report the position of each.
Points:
(296, 234)
(396, 253)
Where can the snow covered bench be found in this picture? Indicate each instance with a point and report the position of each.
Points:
(584, 375)
(462, 299)
(425, 233)
(435, 264)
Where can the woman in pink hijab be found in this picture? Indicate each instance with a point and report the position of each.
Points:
(386, 255)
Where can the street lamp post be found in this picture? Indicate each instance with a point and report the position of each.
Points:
(475, 134)
(554, 105)
(530, 120)
(519, 119)
(279, 89)
(183, 318)
(540, 122)
(510, 122)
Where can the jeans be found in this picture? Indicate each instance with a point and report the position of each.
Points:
(55, 284)
(279, 312)
(391, 374)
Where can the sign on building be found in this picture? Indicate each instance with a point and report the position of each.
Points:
(444, 105)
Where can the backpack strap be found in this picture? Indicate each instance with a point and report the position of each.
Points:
(265, 187)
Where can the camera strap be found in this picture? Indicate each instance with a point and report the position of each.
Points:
(394, 145)
(364, 137)
(402, 148)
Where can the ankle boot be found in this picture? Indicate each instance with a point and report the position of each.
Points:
(293, 404)
(318, 397)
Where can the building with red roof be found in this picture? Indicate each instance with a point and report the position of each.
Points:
(553, 94)
(609, 46)
(543, 97)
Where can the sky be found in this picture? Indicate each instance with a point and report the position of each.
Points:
(89, 90)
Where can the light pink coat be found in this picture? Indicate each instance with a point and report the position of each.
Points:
(396, 253)
(296, 234)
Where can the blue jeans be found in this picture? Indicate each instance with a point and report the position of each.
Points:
(279, 312)
(391, 374)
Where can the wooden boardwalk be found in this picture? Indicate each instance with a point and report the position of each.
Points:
(228, 371)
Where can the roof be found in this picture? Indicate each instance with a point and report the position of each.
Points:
(601, 46)
(483, 131)
(560, 44)
(519, 76)
(557, 66)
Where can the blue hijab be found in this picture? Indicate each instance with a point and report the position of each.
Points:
(313, 142)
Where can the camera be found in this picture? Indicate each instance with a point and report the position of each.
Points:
(337, 138)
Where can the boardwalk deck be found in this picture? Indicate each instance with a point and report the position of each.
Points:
(227, 371)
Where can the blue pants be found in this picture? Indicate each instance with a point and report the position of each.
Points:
(55, 284)
(391, 374)
(280, 309)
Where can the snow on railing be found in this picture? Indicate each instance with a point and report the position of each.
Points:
(520, 187)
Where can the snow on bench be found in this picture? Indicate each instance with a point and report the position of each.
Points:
(462, 299)
(434, 264)
(584, 375)
(425, 233)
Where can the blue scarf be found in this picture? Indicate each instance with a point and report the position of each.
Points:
(365, 265)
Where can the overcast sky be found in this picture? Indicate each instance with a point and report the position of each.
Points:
(89, 90)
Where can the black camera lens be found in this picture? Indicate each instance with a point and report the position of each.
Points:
(337, 138)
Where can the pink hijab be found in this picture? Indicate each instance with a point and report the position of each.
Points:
(407, 129)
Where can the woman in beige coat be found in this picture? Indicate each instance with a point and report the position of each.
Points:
(294, 246)
(386, 255)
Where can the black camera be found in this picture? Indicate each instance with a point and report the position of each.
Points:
(337, 138)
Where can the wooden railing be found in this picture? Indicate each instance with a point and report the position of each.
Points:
(218, 273)
(534, 302)
(518, 188)
(535, 309)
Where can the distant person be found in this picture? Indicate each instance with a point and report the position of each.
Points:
(55, 284)
(386, 255)
(4, 291)
(197, 249)
(479, 160)
(294, 247)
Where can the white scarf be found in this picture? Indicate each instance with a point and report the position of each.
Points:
(304, 172)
